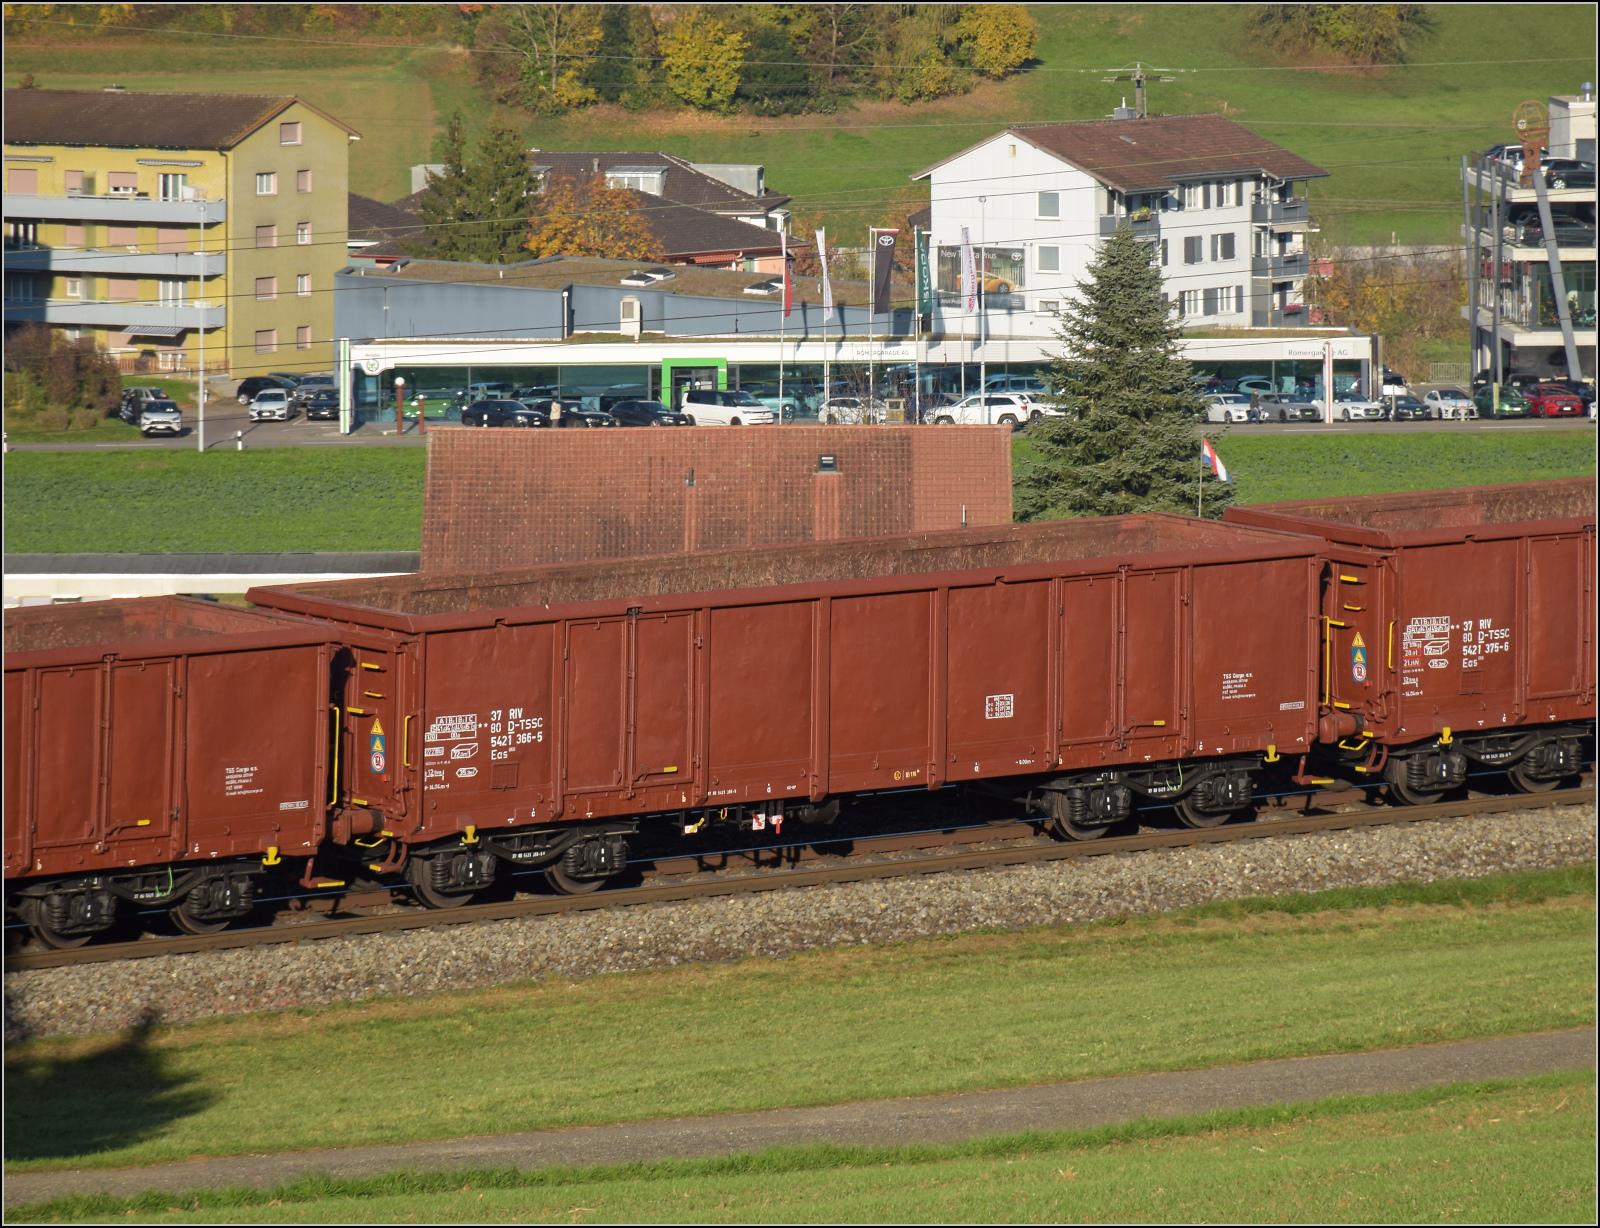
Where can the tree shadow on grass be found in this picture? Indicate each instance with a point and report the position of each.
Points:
(106, 1100)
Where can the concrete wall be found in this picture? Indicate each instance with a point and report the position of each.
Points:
(499, 499)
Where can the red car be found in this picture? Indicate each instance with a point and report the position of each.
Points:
(1553, 401)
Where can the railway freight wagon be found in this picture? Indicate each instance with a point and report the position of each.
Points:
(1150, 656)
(1467, 640)
(162, 753)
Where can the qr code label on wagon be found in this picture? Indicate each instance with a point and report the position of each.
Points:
(997, 707)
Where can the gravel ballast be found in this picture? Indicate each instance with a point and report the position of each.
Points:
(175, 989)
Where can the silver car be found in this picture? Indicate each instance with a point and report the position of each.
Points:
(160, 418)
(271, 405)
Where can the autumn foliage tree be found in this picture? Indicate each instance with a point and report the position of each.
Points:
(1407, 300)
(703, 59)
(584, 217)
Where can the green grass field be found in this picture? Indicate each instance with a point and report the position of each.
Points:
(1392, 139)
(179, 501)
(1509, 1152)
(1337, 972)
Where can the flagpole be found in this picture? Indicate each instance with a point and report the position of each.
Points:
(783, 312)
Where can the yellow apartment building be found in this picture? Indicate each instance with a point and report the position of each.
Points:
(144, 220)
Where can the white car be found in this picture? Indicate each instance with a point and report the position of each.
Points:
(709, 407)
(852, 411)
(987, 409)
(270, 405)
(1349, 407)
(1227, 407)
(1450, 403)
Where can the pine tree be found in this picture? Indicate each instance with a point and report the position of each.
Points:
(499, 186)
(1130, 441)
(443, 206)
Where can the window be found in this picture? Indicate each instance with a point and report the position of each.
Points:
(123, 183)
(1049, 306)
(267, 183)
(122, 288)
(22, 181)
(73, 182)
(266, 289)
(302, 284)
(1194, 249)
(1209, 298)
(172, 239)
(1189, 302)
(302, 181)
(1238, 298)
(74, 287)
(1049, 260)
(266, 341)
(266, 236)
(172, 186)
(289, 134)
(22, 234)
(1163, 252)
(1222, 247)
(171, 290)
(302, 337)
(1191, 196)
(171, 360)
(1049, 204)
(638, 178)
(302, 233)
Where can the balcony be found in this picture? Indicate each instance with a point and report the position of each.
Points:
(1283, 214)
(116, 262)
(1281, 268)
(125, 210)
(120, 314)
(1149, 226)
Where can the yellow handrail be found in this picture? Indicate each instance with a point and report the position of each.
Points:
(338, 736)
(1391, 643)
(405, 742)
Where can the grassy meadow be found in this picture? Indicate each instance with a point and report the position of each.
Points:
(1391, 139)
(1508, 1152)
(1340, 971)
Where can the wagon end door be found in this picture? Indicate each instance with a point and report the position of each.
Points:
(372, 730)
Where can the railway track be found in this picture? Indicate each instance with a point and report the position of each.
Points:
(753, 880)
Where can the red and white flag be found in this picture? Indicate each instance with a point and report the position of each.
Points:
(1209, 455)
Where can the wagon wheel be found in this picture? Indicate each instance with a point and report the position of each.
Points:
(1068, 830)
(1527, 784)
(191, 924)
(1413, 797)
(417, 877)
(58, 942)
(1193, 816)
(564, 883)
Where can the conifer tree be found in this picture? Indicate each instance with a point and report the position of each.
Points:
(499, 186)
(1130, 440)
(443, 205)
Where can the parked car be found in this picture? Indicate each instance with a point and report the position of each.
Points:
(249, 388)
(534, 392)
(1352, 407)
(1254, 383)
(135, 399)
(1568, 173)
(1512, 403)
(1287, 407)
(1406, 409)
(711, 407)
(792, 403)
(1227, 407)
(986, 409)
(852, 411)
(271, 405)
(1393, 384)
(322, 404)
(502, 413)
(572, 413)
(1553, 400)
(293, 378)
(1030, 386)
(1449, 403)
(310, 386)
(647, 413)
(160, 418)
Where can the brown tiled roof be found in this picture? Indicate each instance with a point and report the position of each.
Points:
(145, 121)
(384, 226)
(685, 232)
(1155, 153)
(683, 183)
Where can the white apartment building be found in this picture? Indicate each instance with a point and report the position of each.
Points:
(1226, 210)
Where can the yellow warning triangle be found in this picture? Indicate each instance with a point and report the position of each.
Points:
(377, 725)
(1359, 642)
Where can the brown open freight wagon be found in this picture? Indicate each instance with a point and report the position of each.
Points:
(1468, 638)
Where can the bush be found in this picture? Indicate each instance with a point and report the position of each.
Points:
(49, 377)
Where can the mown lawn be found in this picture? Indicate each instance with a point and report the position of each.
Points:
(1509, 1152)
(1391, 140)
(272, 499)
(1338, 972)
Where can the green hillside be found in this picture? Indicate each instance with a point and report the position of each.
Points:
(1391, 138)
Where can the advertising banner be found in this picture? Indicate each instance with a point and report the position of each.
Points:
(924, 279)
(969, 275)
(827, 286)
(882, 268)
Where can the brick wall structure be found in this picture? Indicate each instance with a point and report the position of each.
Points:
(501, 499)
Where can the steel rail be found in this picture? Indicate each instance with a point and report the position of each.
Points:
(773, 880)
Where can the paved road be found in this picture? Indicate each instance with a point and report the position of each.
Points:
(933, 1119)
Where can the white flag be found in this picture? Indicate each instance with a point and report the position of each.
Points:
(827, 288)
(969, 274)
